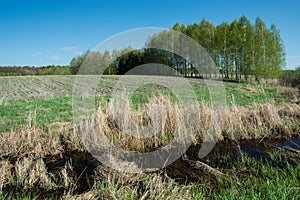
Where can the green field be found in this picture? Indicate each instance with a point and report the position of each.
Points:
(40, 101)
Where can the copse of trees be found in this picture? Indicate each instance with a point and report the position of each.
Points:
(240, 48)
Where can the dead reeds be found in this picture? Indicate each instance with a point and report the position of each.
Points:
(237, 122)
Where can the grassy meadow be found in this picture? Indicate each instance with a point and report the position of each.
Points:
(42, 156)
(43, 100)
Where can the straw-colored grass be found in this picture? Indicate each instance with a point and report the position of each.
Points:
(237, 122)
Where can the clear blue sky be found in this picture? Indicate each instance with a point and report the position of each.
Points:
(43, 32)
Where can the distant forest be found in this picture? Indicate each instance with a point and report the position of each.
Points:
(239, 50)
(31, 70)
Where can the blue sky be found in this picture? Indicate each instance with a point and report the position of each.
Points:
(43, 32)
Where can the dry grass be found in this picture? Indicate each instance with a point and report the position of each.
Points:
(141, 186)
(5, 173)
(237, 122)
(262, 120)
(134, 186)
(22, 152)
(38, 143)
(30, 172)
(22, 165)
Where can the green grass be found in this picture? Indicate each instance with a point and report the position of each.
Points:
(263, 182)
(35, 113)
(252, 179)
(262, 94)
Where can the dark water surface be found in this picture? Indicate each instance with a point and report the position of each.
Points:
(227, 152)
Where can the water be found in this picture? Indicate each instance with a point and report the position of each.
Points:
(227, 152)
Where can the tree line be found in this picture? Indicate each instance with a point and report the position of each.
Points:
(31, 70)
(239, 49)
